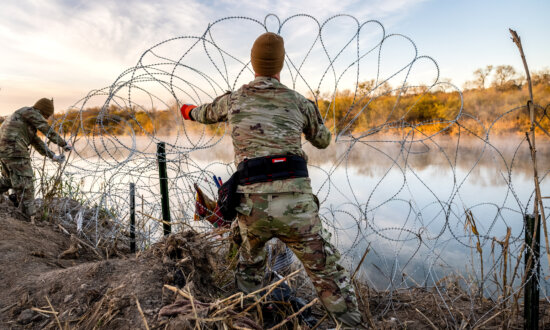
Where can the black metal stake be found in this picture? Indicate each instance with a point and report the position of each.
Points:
(532, 271)
(132, 218)
(163, 176)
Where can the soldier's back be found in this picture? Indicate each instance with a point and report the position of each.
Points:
(15, 135)
(266, 119)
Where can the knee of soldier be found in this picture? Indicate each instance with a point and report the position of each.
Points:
(246, 260)
(352, 318)
(248, 283)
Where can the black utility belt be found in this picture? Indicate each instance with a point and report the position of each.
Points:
(271, 168)
(255, 170)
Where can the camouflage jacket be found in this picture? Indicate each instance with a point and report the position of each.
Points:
(18, 132)
(267, 118)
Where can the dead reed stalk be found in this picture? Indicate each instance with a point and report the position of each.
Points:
(142, 315)
(54, 313)
(311, 303)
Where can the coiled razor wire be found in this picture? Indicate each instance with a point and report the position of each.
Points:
(405, 188)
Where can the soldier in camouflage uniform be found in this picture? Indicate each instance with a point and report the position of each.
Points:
(17, 133)
(268, 118)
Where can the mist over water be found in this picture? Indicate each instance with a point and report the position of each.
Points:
(369, 156)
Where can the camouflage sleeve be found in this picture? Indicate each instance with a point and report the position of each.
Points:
(314, 129)
(35, 119)
(214, 112)
(41, 147)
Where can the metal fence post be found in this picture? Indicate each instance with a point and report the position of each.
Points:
(163, 176)
(132, 218)
(532, 272)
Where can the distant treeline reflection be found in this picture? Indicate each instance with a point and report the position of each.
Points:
(491, 158)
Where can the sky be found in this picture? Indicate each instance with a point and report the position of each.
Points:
(64, 49)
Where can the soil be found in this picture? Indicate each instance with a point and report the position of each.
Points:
(45, 269)
(51, 278)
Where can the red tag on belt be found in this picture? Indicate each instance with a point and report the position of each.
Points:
(278, 160)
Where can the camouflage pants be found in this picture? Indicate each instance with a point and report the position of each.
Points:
(294, 219)
(17, 175)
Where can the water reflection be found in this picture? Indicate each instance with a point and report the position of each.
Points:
(407, 200)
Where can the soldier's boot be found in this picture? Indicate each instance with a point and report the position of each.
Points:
(351, 320)
(13, 199)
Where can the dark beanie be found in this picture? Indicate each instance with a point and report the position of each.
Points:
(268, 54)
(45, 106)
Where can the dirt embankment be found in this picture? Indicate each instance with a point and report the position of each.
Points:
(50, 278)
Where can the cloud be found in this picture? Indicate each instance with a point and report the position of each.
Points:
(103, 30)
(86, 44)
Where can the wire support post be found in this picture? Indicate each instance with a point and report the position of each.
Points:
(132, 218)
(532, 272)
(163, 177)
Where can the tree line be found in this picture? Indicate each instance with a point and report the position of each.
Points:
(492, 92)
(486, 101)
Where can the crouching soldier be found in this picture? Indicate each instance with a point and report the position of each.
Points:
(17, 133)
(268, 120)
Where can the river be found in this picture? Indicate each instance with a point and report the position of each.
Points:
(407, 200)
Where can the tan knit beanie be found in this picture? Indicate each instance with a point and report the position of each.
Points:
(45, 106)
(268, 54)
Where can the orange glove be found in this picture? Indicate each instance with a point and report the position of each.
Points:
(186, 110)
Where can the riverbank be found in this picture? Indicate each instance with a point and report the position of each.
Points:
(53, 278)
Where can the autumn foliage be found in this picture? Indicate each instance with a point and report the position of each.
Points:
(497, 106)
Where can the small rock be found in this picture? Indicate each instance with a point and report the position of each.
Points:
(25, 317)
(68, 298)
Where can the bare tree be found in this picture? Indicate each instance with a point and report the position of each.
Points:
(365, 87)
(481, 75)
(368, 86)
(504, 77)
